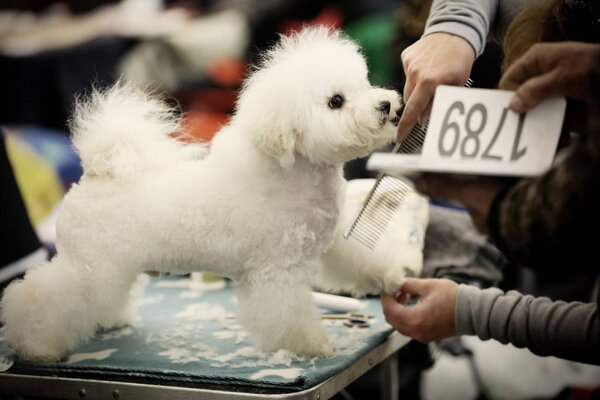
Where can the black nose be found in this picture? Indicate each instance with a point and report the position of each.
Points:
(384, 106)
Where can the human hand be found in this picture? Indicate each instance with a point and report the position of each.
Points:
(432, 318)
(438, 58)
(476, 194)
(550, 69)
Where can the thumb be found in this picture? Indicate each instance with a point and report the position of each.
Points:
(395, 312)
(414, 286)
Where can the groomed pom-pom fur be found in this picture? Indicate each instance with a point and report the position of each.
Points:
(122, 130)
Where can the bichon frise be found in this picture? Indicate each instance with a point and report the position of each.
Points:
(259, 206)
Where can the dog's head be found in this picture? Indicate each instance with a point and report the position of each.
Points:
(311, 97)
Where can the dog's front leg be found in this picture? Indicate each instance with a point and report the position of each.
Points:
(280, 314)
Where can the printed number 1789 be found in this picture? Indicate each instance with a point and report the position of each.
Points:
(466, 138)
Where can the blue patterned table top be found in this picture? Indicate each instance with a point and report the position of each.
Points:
(187, 333)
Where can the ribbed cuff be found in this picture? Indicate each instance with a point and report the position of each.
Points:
(462, 317)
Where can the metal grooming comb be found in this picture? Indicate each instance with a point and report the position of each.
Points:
(387, 194)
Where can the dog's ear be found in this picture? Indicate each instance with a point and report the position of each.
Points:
(268, 118)
(277, 140)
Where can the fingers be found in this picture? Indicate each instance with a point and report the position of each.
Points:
(397, 305)
(387, 301)
(415, 286)
(437, 58)
(424, 117)
(409, 87)
(518, 73)
(534, 91)
(522, 70)
(550, 69)
(415, 105)
(403, 298)
(432, 317)
(408, 320)
(394, 311)
(530, 64)
(440, 187)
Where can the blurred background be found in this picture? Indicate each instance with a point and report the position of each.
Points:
(196, 53)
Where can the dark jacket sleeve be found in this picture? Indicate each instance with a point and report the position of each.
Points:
(548, 223)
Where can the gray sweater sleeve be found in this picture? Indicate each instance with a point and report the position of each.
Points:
(473, 20)
(469, 19)
(546, 327)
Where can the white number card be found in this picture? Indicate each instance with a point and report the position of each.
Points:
(472, 131)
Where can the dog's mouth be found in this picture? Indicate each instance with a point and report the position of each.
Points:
(385, 117)
(392, 120)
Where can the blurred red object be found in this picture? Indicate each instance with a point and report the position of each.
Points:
(228, 73)
(201, 126)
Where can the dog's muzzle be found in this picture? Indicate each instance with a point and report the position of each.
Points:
(384, 109)
(396, 119)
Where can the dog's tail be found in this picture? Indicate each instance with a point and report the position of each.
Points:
(123, 130)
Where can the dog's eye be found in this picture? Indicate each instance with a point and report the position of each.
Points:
(336, 101)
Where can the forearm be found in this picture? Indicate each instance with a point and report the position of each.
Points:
(566, 330)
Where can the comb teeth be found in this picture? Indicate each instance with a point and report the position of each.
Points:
(386, 197)
(414, 141)
(387, 194)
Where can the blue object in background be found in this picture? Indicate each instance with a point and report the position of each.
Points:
(55, 147)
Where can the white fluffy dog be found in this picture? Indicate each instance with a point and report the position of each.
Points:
(259, 206)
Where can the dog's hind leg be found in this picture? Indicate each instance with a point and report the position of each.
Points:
(125, 311)
(59, 304)
(281, 314)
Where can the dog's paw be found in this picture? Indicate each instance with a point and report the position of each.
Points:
(312, 343)
(322, 350)
(39, 354)
(393, 281)
(308, 340)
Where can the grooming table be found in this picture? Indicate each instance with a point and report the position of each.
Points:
(188, 344)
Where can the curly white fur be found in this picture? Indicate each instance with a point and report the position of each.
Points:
(260, 206)
(349, 267)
